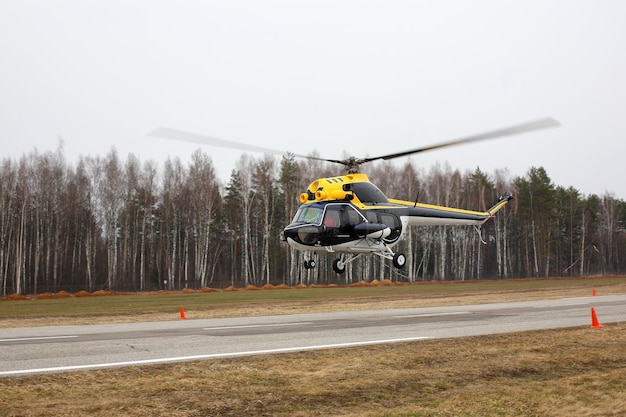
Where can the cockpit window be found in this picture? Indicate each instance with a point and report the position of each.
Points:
(308, 214)
(332, 217)
(337, 216)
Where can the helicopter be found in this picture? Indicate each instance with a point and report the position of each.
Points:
(350, 216)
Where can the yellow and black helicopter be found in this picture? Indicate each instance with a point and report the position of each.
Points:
(350, 216)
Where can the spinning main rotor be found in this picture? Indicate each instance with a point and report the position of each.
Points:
(352, 163)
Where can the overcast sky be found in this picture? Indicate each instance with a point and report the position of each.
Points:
(359, 77)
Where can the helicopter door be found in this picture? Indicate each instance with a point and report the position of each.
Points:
(342, 218)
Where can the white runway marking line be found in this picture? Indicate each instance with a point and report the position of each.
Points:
(211, 356)
(26, 339)
(563, 305)
(452, 313)
(252, 326)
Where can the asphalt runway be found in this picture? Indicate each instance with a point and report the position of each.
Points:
(35, 350)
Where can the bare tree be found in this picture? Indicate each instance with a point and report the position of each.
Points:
(171, 231)
(88, 232)
(502, 225)
(247, 195)
(263, 180)
(204, 204)
(8, 205)
(290, 185)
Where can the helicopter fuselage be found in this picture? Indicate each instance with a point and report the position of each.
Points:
(350, 214)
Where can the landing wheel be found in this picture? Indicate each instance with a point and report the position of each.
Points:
(338, 266)
(309, 264)
(399, 260)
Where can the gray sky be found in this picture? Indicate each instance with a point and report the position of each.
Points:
(362, 77)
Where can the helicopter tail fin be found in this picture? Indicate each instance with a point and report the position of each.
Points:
(502, 201)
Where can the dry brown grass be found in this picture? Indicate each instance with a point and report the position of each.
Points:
(571, 372)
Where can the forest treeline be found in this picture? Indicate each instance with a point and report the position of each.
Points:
(128, 225)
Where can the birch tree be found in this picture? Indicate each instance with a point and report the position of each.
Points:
(204, 204)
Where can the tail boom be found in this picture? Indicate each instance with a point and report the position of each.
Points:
(432, 215)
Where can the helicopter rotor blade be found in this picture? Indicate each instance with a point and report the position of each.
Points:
(352, 163)
(507, 131)
(180, 135)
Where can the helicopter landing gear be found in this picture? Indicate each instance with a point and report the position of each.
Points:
(399, 260)
(339, 266)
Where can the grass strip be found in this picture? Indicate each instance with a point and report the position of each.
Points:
(166, 306)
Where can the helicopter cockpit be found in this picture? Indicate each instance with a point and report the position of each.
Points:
(328, 224)
(334, 215)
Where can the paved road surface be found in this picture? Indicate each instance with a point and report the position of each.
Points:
(66, 348)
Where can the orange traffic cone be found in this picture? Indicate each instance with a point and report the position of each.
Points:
(593, 292)
(595, 324)
(182, 313)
